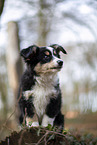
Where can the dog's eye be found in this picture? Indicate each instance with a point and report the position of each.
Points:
(46, 57)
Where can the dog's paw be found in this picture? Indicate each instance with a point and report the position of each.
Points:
(35, 124)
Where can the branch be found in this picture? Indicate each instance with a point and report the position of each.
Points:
(4, 125)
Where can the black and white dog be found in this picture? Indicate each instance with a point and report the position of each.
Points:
(39, 89)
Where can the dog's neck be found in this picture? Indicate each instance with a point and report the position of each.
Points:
(47, 79)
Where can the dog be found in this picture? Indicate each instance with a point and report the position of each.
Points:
(39, 91)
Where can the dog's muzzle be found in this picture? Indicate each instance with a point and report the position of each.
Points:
(58, 65)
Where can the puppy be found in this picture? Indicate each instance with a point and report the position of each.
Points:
(39, 91)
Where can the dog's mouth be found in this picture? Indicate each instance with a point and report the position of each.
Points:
(58, 67)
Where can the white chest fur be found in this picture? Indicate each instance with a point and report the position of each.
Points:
(41, 98)
(42, 92)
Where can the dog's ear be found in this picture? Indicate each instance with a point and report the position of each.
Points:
(58, 48)
(29, 53)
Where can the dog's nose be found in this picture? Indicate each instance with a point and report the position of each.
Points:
(60, 62)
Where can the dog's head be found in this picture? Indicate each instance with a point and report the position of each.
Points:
(43, 59)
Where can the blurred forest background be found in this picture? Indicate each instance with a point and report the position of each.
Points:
(70, 23)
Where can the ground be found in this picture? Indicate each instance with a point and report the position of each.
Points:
(85, 123)
(81, 130)
(48, 136)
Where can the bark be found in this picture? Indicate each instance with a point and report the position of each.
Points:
(14, 63)
(44, 22)
(1, 6)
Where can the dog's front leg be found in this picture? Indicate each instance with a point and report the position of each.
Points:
(47, 120)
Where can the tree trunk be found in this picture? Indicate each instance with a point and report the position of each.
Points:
(1, 6)
(44, 21)
(14, 63)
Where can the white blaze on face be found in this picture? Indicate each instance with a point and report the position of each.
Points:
(51, 49)
(55, 59)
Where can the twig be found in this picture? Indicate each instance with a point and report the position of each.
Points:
(25, 116)
(21, 137)
(11, 130)
(45, 140)
(45, 135)
(57, 133)
(4, 125)
(7, 121)
(49, 139)
(42, 138)
(8, 141)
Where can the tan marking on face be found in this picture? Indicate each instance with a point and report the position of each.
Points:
(47, 53)
(55, 52)
(45, 68)
(34, 49)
